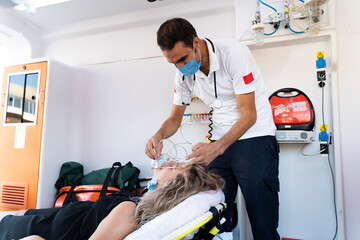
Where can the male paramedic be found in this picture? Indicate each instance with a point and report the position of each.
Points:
(243, 150)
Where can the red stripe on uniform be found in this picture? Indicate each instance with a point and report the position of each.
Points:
(248, 78)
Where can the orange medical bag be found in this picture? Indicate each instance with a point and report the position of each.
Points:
(124, 177)
(81, 193)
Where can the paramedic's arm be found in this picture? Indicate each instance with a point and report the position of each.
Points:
(205, 153)
(118, 224)
(168, 128)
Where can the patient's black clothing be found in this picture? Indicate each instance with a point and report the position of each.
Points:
(77, 220)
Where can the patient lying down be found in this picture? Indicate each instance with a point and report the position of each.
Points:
(114, 216)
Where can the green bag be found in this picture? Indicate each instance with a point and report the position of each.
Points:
(122, 177)
(70, 173)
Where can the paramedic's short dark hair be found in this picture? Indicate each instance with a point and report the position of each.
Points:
(173, 31)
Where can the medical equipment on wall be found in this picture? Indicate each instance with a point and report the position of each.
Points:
(293, 115)
(318, 12)
(324, 135)
(315, 11)
(307, 16)
(191, 118)
(258, 29)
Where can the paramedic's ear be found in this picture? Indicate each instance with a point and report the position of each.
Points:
(197, 42)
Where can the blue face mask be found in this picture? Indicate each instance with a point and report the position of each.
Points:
(191, 67)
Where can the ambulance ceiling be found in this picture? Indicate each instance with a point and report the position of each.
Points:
(48, 17)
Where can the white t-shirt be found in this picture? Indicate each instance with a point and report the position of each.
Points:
(236, 73)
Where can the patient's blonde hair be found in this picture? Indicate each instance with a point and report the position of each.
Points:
(165, 197)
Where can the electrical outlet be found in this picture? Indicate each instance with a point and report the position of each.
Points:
(321, 75)
(324, 148)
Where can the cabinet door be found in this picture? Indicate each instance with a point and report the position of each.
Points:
(22, 108)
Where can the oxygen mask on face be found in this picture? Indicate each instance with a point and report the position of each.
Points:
(165, 160)
(170, 158)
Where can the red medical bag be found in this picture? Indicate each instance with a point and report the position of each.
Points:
(292, 110)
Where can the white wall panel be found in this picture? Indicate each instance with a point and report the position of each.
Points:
(348, 29)
(306, 206)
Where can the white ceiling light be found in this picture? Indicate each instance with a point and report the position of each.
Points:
(42, 3)
(29, 5)
(21, 7)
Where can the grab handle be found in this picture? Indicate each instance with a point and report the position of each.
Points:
(39, 96)
(287, 93)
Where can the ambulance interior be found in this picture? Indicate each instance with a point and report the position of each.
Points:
(98, 87)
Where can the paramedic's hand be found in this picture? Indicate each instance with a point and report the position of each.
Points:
(204, 153)
(153, 148)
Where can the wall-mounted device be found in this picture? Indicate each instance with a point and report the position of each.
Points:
(321, 68)
(293, 115)
(295, 136)
(258, 29)
(318, 13)
(298, 16)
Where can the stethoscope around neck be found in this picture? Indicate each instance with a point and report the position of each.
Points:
(217, 102)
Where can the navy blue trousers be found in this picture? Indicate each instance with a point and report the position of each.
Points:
(253, 164)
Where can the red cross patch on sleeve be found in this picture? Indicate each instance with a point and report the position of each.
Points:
(248, 78)
(174, 90)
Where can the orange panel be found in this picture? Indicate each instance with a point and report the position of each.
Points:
(22, 165)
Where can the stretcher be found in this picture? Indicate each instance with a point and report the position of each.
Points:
(199, 217)
(205, 226)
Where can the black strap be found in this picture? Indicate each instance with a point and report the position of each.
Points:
(107, 179)
(183, 77)
(213, 48)
(116, 176)
(215, 213)
(70, 197)
(204, 231)
(212, 44)
(137, 171)
(60, 182)
(183, 103)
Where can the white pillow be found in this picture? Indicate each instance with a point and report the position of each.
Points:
(180, 215)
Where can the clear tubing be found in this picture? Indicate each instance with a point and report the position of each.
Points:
(301, 8)
(167, 159)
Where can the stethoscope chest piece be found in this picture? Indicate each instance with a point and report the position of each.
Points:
(217, 103)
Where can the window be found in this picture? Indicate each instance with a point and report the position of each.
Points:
(22, 98)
